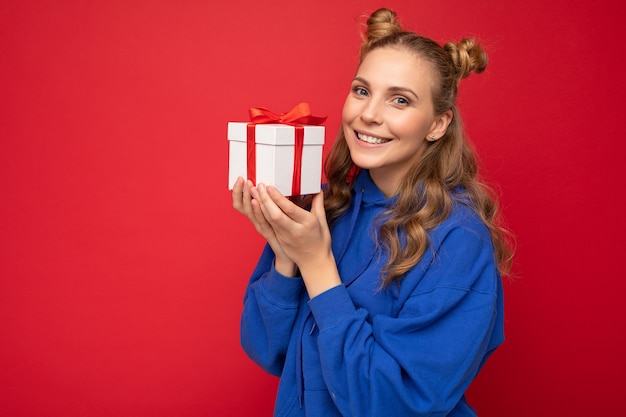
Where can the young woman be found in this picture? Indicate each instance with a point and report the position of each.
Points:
(385, 297)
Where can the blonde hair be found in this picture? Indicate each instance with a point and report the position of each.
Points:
(425, 195)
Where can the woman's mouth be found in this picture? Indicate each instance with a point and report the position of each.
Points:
(370, 139)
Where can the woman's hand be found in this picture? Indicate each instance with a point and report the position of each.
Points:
(243, 203)
(303, 236)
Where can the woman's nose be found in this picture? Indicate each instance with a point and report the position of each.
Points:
(371, 113)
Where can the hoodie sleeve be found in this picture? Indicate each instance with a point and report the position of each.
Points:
(420, 362)
(270, 307)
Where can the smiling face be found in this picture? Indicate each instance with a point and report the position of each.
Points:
(389, 114)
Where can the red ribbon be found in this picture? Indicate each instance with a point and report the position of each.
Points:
(296, 117)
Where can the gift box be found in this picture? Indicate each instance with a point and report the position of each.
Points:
(277, 150)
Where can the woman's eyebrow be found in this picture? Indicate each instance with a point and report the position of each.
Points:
(361, 80)
(392, 89)
(403, 90)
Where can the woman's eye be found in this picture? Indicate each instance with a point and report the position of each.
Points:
(401, 100)
(360, 91)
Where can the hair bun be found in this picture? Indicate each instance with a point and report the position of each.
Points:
(382, 23)
(467, 57)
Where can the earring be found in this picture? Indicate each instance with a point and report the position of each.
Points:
(431, 138)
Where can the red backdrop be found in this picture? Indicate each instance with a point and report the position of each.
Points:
(123, 264)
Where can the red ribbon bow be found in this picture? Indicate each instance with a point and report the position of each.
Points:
(296, 117)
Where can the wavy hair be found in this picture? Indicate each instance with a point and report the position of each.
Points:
(425, 195)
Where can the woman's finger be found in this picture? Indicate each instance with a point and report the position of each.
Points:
(237, 194)
(260, 222)
(247, 199)
(272, 212)
(317, 208)
(244, 203)
(287, 207)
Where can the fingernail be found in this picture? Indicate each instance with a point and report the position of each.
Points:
(261, 188)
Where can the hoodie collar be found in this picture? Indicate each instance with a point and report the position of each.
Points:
(371, 194)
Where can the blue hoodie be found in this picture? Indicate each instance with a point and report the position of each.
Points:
(357, 350)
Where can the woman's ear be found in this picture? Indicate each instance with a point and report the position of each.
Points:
(439, 126)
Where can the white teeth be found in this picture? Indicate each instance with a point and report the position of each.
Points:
(370, 139)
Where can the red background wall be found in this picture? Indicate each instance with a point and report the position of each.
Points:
(123, 265)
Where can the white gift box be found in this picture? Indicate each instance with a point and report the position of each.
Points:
(275, 150)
